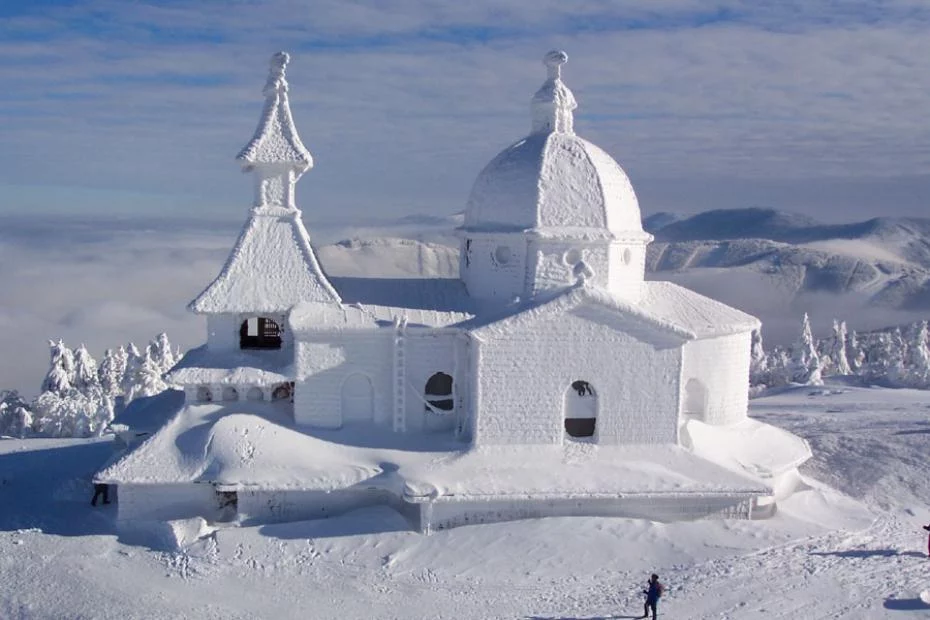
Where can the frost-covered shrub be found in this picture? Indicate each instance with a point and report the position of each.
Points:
(15, 415)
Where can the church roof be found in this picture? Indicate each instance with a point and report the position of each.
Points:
(271, 268)
(552, 179)
(202, 366)
(276, 139)
(665, 308)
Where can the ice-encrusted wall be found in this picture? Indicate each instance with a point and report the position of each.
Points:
(223, 330)
(553, 264)
(493, 265)
(166, 501)
(523, 374)
(281, 506)
(445, 515)
(721, 365)
(322, 366)
(428, 352)
(627, 269)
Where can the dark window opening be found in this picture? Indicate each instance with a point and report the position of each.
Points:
(439, 392)
(580, 427)
(259, 333)
(285, 391)
(227, 502)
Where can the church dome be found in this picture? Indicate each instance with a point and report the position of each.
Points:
(553, 179)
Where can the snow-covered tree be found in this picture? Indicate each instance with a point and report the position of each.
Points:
(60, 376)
(111, 370)
(85, 371)
(15, 415)
(806, 367)
(160, 351)
(839, 362)
(147, 381)
(916, 368)
(854, 352)
(759, 363)
(131, 374)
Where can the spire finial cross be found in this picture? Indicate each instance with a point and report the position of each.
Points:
(554, 61)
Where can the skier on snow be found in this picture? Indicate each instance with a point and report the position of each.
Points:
(653, 594)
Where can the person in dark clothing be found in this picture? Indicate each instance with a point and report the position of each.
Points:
(927, 527)
(101, 490)
(653, 594)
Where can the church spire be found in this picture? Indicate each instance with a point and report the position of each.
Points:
(554, 102)
(275, 155)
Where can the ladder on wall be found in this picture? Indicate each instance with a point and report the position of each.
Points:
(400, 374)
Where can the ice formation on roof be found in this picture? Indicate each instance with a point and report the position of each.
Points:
(276, 139)
(273, 266)
(554, 102)
(553, 180)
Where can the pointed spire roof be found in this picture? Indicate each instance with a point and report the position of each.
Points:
(271, 268)
(554, 102)
(276, 140)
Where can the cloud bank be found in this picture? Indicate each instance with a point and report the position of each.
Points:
(138, 107)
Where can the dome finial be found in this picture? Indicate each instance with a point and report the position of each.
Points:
(554, 61)
(276, 80)
(553, 103)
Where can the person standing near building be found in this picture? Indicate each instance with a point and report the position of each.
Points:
(927, 527)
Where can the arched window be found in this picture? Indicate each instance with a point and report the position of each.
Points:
(283, 391)
(695, 404)
(439, 392)
(580, 409)
(259, 333)
(254, 394)
(204, 394)
(230, 393)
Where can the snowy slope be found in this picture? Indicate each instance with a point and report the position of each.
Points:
(823, 555)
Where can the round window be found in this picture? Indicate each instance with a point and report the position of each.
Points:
(627, 256)
(502, 255)
(572, 257)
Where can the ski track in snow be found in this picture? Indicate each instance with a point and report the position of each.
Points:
(61, 559)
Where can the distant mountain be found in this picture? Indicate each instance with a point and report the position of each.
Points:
(773, 264)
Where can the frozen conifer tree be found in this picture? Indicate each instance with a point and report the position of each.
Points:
(148, 381)
(839, 362)
(855, 353)
(85, 371)
(917, 365)
(111, 370)
(131, 374)
(60, 376)
(805, 362)
(15, 415)
(160, 351)
(758, 365)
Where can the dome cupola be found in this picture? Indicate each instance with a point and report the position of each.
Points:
(552, 209)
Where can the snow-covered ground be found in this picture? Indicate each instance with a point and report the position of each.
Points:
(823, 556)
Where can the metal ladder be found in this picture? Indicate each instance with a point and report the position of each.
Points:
(400, 374)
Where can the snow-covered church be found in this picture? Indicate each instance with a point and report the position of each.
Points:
(549, 379)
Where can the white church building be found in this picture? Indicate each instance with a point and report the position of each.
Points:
(549, 379)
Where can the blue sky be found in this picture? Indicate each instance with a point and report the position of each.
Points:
(818, 106)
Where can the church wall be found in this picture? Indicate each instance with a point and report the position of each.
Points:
(222, 332)
(322, 367)
(428, 353)
(489, 271)
(552, 263)
(283, 506)
(722, 366)
(165, 501)
(627, 270)
(524, 375)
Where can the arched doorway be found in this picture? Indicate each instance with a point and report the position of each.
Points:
(204, 394)
(357, 398)
(438, 393)
(254, 394)
(695, 404)
(230, 393)
(580, 409)
(282, 391)
(259, 333)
